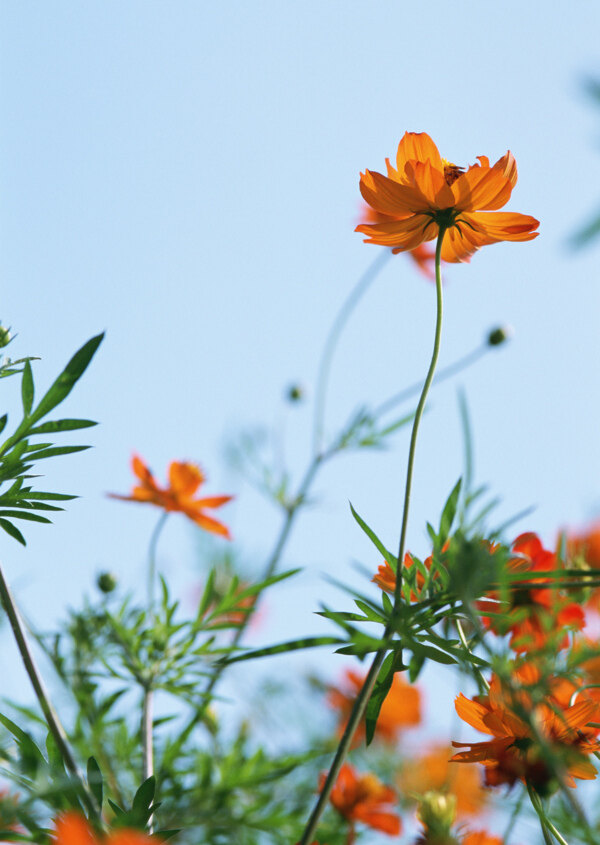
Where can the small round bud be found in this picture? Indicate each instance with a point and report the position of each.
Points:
(106, 582)
(499, 335)
(295, 393)
(5, 337)
(437, 812)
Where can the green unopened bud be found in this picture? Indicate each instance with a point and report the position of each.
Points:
(5, 337)
(106, 582)
(499, 335)
(295, 393)
(437, 812)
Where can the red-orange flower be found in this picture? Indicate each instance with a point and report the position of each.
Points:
(401, 707)
(184, 480)
(533, 616)
(424, 192)
(514, 753)
(481, 837)
(432, 772)
(73, 829)
(363, 798)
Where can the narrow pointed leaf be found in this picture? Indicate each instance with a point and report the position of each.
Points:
(391, 559)
(12, 530)
(27, 389)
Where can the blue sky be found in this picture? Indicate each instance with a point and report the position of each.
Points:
(185, 176)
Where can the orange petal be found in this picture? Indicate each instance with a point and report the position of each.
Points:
(184, 478)
(404, 234)
(486, 188)
(141, 470)
(213, 501)
(390, 197)
(473, 713)
(417, 146)
(207, 522)
(431, 183)
(493, 226)
(73, 829)
(385, 822)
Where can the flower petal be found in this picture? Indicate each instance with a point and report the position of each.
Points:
(390, 197)
(417, 146)
(489, 227)
(486, 188)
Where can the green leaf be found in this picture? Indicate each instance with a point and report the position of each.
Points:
(391, 559)
(65, 382)
(380, 690)
(94, 778)
(12, 530)
(27, 389)
(449, 512)
(282, 648)
(144, 797)
(56, 450)
(3, 421)
(56, 426)
(32, 517)
(118, 811)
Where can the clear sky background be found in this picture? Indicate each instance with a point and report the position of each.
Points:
(184, 175)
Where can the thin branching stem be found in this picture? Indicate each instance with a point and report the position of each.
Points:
(354, 297)
(50, 715)
(363, 696)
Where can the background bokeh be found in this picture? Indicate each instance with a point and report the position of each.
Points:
(185, 176)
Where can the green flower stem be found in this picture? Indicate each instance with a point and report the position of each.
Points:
(363, 696)
(52, 720)
(354, 297)
(547, 826)
(419, 413)
(152, 560)
(482, 680)
(147, 739)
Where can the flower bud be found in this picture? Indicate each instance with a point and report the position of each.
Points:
(106, 582)
(499, 335)
(5, 337)
(437, 812)
(295, 393)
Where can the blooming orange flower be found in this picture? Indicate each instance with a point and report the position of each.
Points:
(73, 829)
(534, 615)
(363, 798)
(184, 480)
(401, 707)
(422, 255)
(514, 753)
(432, 772)
(583, 551)
(424, 192)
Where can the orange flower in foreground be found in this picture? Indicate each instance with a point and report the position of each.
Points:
(424, 192)
(481, 837)
(534, 616)
(363, 798)
(433, 772)
(513, 753)
(184, 480)
(400, 709)
(73, 829)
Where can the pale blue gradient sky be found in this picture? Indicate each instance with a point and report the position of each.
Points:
(185, 176)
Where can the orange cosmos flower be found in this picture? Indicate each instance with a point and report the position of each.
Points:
(363, 798)
(73, 829)
(424, 192)
(513, 753)
(535, 616)
(401, 708)
(432, 772)
(184, 480)
(422, 255)
(583, 552)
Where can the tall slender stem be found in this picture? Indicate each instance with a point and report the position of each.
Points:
(355, 295)
(419, 412)
(152, 560)
(363, 696)
(147, 740)
(52, 720)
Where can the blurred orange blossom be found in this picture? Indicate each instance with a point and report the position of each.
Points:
(513, 753)
(73, 829)
(432, 772)
(401, 707)
(425, 192)
(363, 798)
(184, 480)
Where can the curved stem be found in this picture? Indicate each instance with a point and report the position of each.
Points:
(483, 684)
(445, 373)
(152, 560)
(52, 720)
(355, 295)
(419, 412)
(547, 826)
(363, 696)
